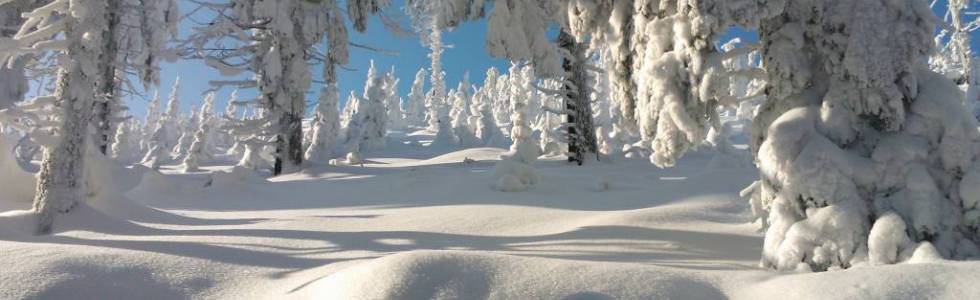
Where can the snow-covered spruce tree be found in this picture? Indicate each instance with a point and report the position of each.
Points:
(122, 147)
(372, 112)
(393, 103)
(156, 148)
(82, 24)
(170, 118)
(326, 126)
(134, 42)
(198, 149)
(231, 117)
(353, 128)
(847, 87)
(150, 121)
(436, 100)
(486, 96)
(515, 172)
(500, 100)
(275, 40)
(347, 114)
(186, 126)
(415, 108)
(855, 129)
(487, 130)
(460, 115)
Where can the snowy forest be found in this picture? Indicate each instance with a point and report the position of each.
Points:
(628, 149)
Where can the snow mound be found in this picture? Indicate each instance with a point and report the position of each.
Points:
(237, 176)
(17, 223)
(902, 281)
(887, 239)
(471, 275)
(477, 154)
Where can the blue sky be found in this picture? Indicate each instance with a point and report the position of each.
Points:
(467, 54)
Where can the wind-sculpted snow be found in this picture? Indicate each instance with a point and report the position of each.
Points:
(467, 275)
(376, 232)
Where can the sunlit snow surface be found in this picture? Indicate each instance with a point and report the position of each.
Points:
(420, 223)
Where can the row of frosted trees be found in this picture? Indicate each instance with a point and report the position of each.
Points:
(865, 152)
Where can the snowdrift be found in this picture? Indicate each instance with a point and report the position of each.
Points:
(471, 275)
(17, 185)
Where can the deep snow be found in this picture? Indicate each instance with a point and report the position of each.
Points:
(419, 223)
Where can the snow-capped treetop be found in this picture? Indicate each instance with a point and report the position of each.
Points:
(172, 113)
(516, 30)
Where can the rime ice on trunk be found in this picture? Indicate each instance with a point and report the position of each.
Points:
(59, 185)
(578, 109)
(436, 100)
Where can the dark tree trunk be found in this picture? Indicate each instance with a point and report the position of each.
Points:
(578, 107)
(105, 105)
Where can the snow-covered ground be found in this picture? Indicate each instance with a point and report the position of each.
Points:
(420, 223)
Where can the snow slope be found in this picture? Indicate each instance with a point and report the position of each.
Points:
(419, 223)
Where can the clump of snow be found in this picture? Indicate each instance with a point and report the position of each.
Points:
(925, 253)
(510, 183)
(17, 223)
(887, 239)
